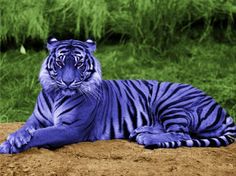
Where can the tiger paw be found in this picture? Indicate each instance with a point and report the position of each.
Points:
(144, 129)
(146, 139)
(7, 148)
(21, 137)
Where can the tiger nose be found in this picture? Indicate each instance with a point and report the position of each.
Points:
(68, 82)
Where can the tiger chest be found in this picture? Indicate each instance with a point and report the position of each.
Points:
(72, 111)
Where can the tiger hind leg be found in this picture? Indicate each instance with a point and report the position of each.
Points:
(156, 136)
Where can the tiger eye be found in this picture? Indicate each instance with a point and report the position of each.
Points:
(59, 63)
(79, 64)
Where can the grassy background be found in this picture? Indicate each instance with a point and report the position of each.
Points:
(155, 24)
(188, 41)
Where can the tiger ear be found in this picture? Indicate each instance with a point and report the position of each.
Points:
(51, 43)
(91, 45)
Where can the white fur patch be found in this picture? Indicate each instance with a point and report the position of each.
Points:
(45, 79)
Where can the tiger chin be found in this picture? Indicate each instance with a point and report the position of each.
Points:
(76, 105)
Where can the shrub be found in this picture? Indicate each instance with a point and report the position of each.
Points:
(152, 24)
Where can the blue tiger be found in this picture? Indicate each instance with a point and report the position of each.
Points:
(76, 105)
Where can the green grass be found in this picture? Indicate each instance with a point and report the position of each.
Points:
(209, 66)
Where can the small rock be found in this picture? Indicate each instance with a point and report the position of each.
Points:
(11, 165)
(26, 169)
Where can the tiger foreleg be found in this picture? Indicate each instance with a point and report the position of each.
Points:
(20, 137)
(56, 136)
(50, 137)
(16, 140)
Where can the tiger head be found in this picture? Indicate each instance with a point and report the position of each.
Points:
(70, 67)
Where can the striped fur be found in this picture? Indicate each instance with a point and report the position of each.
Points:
(76, 105)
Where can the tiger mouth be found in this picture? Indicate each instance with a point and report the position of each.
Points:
(68, 91)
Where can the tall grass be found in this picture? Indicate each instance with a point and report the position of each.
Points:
(24, 19)
(152, 24)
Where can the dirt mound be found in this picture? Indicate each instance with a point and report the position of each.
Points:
(117, 157)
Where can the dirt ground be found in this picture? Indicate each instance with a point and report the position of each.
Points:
(117, 157)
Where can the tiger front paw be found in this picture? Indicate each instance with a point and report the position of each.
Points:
(21, 137)
(7, 148)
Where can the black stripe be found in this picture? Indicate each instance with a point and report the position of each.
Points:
(175, 144)
(119, 109)
(172, 112)
(195, 143)
(222, 142)
(218, 117)
(176, 104)
(226, 116)
(144, 120)
(230, 131)
(112, 130)
(229, 139)
(80, 46)
(202, 143)
(47, 101)
(74, 121)
(212, 143)
(149, 86)
(172, 93)
(132, 111)
(211, 109)
(106, 106)
(61, 102)
(175, 123)
(166, 89)
(117, 87)
(125, 130)
(71, 108)
(183, 143)
(174, 116)
(162, 145)
(231, 125)
(50, 62)
(42, 115)
(42, 125)
(128, 91)
(138, 90)
(141, 102)
(133, 115)
(77, 52)
(157, 91)
(199, 112)
(194, 92)
(151, 147)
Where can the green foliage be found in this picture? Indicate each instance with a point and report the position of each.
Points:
(22, 20)
(150, 24)
(208, 66)
(37, 19)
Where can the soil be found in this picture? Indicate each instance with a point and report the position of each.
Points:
(117, 157)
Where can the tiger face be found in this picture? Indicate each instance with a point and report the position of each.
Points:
(70, 67)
